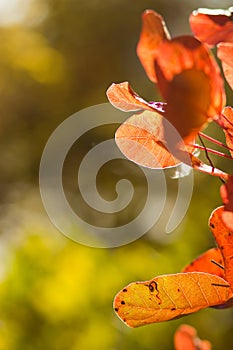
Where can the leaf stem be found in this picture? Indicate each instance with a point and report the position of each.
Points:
(206, 152)
(220, 154)
(215, 141)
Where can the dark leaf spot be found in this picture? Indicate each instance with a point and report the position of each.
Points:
(152, 286)
(124, 290)
(122, 302)
(173, 309)
(116, 309)
(212, 225)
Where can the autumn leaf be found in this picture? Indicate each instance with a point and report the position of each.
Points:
(154, 31)
(226, 123)
(225, 54)
(215, 27)
(186, 338)
(217, 261)
(207, 281)
(226, 192)
(224, 240)
(141, 140)
(168, 297)
(181, 65)
(123, 97)
(184, 66)
(212, 26)
(211, 262)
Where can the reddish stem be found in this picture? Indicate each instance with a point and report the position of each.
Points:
(215, 141)
(220, 154)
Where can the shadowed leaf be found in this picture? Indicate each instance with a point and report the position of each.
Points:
(184, 66)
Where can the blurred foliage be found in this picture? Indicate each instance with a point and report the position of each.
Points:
(57, 57)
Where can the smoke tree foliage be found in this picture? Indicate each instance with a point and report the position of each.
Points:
(191, 84)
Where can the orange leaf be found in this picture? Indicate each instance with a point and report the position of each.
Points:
(212, 26)
(224, 240)
(226, 192)
(225, 54)
(186, 339)
(153, 32)
(169, 296)
(180, 67)
(141, 139)
(210, 261)
(189, 80)
(123, 97)
(226, 123)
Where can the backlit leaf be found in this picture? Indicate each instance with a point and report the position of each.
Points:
(184, 67)
(141, 139)
(226, 123)
(153, 32)
(180, 67)
(169, 296)
(224, 240)
(225, 54)
(211, 262)
(226, 192)
(123, 97)
(212, 26)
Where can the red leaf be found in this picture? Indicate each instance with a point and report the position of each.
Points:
(181, 66)
(212, 26)
(210, 262)
(153, 32)
(189, 80)
(224, 240)
(225, 54)
(186, 338)
(226, 123)
(226, 192)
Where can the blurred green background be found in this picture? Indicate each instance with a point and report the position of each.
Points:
(57, 57)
